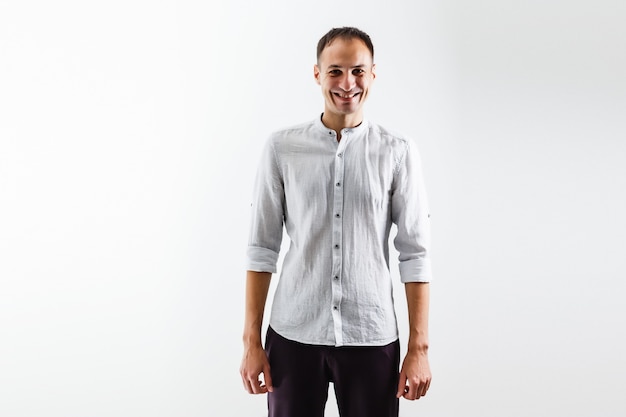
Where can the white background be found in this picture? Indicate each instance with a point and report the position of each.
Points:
(129, 137)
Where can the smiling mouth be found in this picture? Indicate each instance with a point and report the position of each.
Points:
(346, 96)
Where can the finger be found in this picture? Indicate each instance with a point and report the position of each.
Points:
(425, 387)
(259, 388)
(244, 381)
(401, 386)
(252, 384)
(421, 391)
(411, 391)
(248, 387)
(267, 376)
(422, 388)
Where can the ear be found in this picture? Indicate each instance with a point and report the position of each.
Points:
(316, 73)
(373, 71)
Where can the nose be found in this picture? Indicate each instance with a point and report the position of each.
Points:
(347, 82)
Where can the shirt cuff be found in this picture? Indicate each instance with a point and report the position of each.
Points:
(415, 270)
(261, 259)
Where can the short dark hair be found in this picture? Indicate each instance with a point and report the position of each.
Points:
(344, 33)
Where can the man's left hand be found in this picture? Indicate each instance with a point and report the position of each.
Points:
(414, 376)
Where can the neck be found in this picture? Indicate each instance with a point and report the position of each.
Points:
(337, 122)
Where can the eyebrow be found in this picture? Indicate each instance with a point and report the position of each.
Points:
(339, 66)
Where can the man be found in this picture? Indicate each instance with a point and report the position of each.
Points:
(337, 184)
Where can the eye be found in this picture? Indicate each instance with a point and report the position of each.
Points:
(334, 72)
(358, 71)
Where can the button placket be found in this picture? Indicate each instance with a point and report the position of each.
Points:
(337, 235)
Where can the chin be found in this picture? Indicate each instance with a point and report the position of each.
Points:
(347, 109)
(351, 110)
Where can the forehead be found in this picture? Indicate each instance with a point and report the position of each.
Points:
(346, 53)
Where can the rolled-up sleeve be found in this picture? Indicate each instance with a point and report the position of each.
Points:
(267, 214)
(410, 213)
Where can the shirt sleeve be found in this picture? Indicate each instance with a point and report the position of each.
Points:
(410, 213)
(266, 225)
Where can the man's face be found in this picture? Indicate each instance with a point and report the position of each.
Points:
(345, 71)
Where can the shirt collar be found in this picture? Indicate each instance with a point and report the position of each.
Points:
(357, 130)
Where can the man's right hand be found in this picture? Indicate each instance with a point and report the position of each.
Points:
(253, 364)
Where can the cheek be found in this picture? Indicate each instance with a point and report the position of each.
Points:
(329, 85)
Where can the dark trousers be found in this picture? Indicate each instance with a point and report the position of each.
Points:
(365, 378)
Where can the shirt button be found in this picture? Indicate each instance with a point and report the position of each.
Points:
(336, 277)
(335, 307)
(337, 215)
(338, 184)
(340, 154)
(336, 246)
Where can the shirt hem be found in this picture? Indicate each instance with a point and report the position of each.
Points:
(378, 342)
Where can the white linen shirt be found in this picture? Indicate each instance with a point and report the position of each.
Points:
(337, 202)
